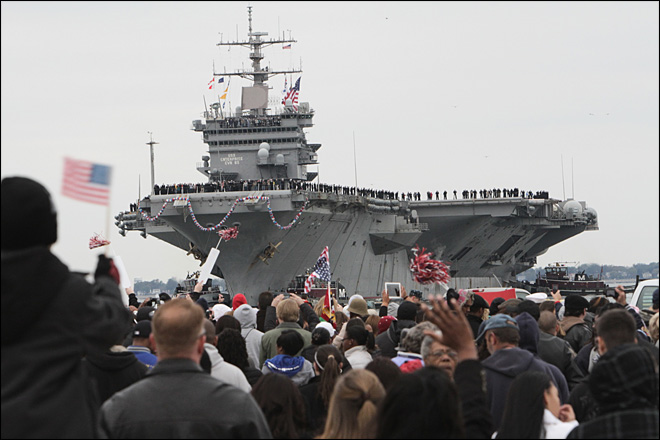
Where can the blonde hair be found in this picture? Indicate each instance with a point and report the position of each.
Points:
(373, 321)
(354, 405)
(287, 311)
(318, 307)
(177, 325)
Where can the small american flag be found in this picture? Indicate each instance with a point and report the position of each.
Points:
(321, 270)
(287, 46)
(86, 181)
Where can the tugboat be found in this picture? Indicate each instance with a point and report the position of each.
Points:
(556, 277)
(257, 180)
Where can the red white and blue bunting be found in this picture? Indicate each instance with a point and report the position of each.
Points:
(229, 213)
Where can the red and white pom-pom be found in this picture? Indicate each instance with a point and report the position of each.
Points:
(97, 241)
(229, 233)
(426, 270)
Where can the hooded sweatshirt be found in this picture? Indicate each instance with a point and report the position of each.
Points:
(501, 369)
(529, 340)
(114, 370)
(296, 368)
(247, 316)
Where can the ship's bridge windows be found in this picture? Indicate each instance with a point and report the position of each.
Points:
(251, 130)
(256, 141)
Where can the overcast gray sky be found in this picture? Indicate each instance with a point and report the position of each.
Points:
(439, 95)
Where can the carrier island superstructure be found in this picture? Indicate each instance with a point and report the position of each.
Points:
(257, 179)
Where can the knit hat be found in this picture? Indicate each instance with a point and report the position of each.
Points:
(326, 325)
(384, 323)
(479, 303)
(494, 305)
(529, 332)
(625, 378)
(143, 313)
(510, 306)
(407, 311)
(219, 310)
(498, 321)
(142, 329)
(575, 302)
(358, 306)
(239, 299)
(28, 214)
(203, 303)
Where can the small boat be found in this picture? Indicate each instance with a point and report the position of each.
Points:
(556, 277)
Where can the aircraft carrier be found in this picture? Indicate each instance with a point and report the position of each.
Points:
(257, 179)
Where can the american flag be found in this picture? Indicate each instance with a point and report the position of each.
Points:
(293, 95)
(86, 181)
(321, 270)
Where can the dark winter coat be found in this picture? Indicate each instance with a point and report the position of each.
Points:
(113, 371)
(501, 368)
(177, 399)
(52, 318)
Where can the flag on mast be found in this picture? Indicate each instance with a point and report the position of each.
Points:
(293, 95)
(224, 95)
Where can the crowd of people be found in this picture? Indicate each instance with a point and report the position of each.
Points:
(299, 185)
(87, 360)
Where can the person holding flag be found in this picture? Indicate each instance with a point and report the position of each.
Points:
(322, 271)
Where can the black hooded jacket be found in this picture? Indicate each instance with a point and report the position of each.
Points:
(51, 318)
(113, 371)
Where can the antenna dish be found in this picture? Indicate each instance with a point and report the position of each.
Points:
(279, 159)
(262, 154)
(264, 145)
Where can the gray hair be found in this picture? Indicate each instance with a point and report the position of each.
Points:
(412, 342)
(426, 344)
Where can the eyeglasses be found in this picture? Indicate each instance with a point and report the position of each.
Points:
(439, 353)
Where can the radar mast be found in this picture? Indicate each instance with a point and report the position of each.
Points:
(258, 75)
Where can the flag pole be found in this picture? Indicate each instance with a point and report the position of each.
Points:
(108, 213)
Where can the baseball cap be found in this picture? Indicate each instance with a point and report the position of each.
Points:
(142, 329)
(498, 321)
(143, 313)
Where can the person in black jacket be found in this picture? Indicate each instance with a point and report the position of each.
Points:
(51, 318)
(177, 399)
(114, 369)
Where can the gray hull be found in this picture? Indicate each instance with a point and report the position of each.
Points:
(368, 246)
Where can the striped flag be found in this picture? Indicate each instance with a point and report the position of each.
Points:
(86, 181)
(293, 95)
(288, 46)
(211, 83)
(321, 270)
